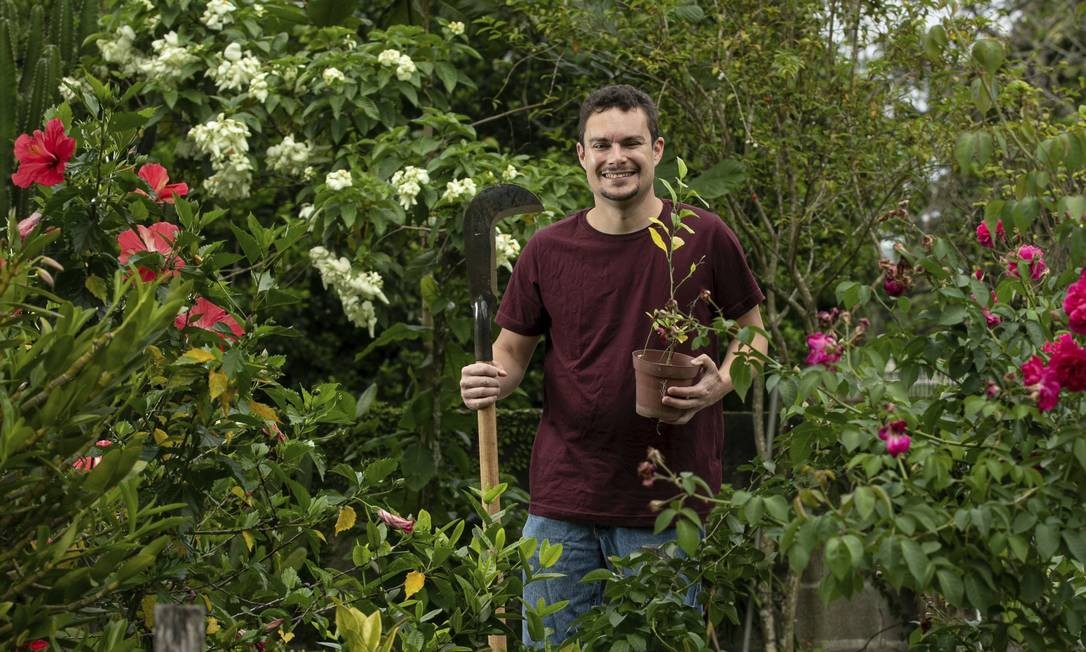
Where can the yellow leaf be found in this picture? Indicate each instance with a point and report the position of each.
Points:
(161, 438)
(216, 383)
(248, 536)
(319, 535)
(657, 239)
(346, 519)
(286, 636)
(657, 222)
(147, 606)
(213, 626)
(156, 353)
(676, 242)
(263, 411)
(207, 601)
(198, 356)
(413, 583)
(238, 491)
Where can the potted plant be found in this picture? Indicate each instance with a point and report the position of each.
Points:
(656, 369)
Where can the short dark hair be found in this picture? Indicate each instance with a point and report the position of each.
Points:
(620, 96)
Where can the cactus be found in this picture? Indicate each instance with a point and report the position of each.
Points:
(34, 56)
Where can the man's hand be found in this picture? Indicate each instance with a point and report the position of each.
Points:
(479, 386)
(709, 389)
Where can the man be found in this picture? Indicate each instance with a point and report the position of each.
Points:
(586, 283)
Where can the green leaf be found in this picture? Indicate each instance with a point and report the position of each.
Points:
(838, 558)
(864, 500)
(988, 52)
(690, 13)
(549, 553)
(398, 332)
(1076, 543)
(688, 535)
(378, 470)
(325, 13)
(1048, 540)
(418, 467)
(951, 586)
(725, 177)
(917, 561)
(953, 315)
(365, 400)
(1079, 448)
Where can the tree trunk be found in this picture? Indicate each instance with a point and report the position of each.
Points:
(179, 628)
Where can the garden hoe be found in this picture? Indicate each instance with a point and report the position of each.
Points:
(489, 206)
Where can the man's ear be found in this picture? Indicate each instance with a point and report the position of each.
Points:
(658, 150)
(580, 154)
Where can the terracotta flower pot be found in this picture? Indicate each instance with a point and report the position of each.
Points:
(654, 372)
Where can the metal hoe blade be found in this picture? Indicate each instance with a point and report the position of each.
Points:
(484, 211)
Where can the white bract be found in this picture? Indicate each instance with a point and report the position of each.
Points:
(306, 211)
(389, 58)
(356, 290)
(235, 71)
(119, 50)
(70, 86)
(169, 60)
(456, 28)
(405, 67)
(217, 14)
(408, 183)
(338, 180)
(289, 156)
(509, 173)
(225, 141)
(459, 189)
(258, 87)
(332, 76)
(506, 249)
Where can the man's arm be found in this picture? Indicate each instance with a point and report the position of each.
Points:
(482, 383)
(715, 383)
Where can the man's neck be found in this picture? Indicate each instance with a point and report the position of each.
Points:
(617, 220)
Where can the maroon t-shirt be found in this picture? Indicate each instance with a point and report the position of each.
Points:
(588, 292)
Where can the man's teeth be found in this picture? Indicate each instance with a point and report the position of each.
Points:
(617, 175)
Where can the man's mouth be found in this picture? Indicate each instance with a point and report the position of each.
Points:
(618, 174)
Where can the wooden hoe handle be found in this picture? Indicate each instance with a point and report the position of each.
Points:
(488, 477)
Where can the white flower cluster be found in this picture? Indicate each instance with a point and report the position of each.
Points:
(456, 28)
(405, 67)
(510, 173)
(218, 13)
(70, 86)
(332, 76)
(169, 60)
(506, 249)
(236, 69)
(119, 50)
(224, 140)
(356, 290)
(289, 156)
(338, 180)
(459, 189)
(408, 183)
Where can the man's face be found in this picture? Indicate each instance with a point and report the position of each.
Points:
(619, 156)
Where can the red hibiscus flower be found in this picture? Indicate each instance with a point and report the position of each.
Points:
(88, 462)
(398, 522)
(43, 156)
(36, 646)
(1074, 304)
(157, 178)
(207, 316)
(157, 238)
(984, 236)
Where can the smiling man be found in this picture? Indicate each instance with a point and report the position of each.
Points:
(585, 283)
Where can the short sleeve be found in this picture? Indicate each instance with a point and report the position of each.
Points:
(737, 289)
(522, 310)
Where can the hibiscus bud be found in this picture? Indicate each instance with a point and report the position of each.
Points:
(45, 276)
(397, 522)
(26, 226)
(274, 624)
(647, 471)
(657, 505)
(52, 263)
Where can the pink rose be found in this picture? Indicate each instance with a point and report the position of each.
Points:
(893, 286)
(991, 318)
(1074, 304)
(1032, 255)
(822, 349)
(1041, 380)
(1068, 364)
(991, 390)
(984, 236)
(896, 437)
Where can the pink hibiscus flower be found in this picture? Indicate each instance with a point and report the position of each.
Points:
(158, 179)
(157, 238)
(207, 316)
(43, 156)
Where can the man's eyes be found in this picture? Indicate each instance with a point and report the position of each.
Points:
(629, 144)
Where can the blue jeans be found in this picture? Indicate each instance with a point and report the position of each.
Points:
(584, 548)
